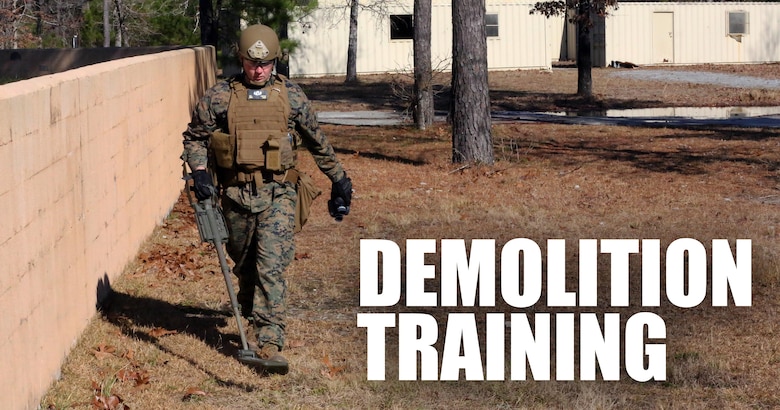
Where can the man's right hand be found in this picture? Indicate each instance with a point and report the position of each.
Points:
(203, 186)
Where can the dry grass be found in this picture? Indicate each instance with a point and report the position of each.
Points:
(166, 341)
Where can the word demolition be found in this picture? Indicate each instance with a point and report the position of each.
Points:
(467, 279)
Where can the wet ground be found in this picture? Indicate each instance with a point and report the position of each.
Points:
(749, 117)
(679, 116)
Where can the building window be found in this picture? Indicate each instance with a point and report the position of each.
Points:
(738, 23)
(491, 25)
(401, 27)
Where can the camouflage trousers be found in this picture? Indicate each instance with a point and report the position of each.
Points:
(260, 222)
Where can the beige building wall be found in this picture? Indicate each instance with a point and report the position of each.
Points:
(89, 165)
(524, 40)
(639, 32)
(690, 33)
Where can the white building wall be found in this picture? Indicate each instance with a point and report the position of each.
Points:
(533, 41)
(700, 33)
(524, 40)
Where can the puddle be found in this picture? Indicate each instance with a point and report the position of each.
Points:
(737, 116)
(679, 112)
(360, 117)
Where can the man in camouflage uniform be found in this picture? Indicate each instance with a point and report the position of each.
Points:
(246, 131)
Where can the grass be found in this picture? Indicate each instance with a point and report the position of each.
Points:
(172, 343)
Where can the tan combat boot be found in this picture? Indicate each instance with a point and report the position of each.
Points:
(274, 361)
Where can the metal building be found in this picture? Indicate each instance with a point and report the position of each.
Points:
(638, 32)
(516, 39)
(689, 33)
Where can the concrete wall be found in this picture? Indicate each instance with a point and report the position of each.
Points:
(89, 165)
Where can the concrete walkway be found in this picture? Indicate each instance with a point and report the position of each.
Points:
(700, 77)
(389, 118)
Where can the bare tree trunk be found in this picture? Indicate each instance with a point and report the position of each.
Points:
(423, 87)
(15, 29)
(106, 23)
(470, 112)
(283, 64)
(584, 59)
(353, 38)
(208, 27)
(118, 35)
(121, 30)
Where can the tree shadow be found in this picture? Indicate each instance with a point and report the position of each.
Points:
(574, 152)
(371, 95)
(682, 161)
(381, 157)
(389, 95)
(721, 133)
(132, 313)
(502, 100)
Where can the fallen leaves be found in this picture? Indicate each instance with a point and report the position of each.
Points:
(106, 401)
(171, 262)
(139, 377)
(330, 371)
(159, 332)
(103, 398)
(193, 393)
(103, 351)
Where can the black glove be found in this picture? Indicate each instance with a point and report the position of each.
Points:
(340, 198)
(203, 186)
(342, 189)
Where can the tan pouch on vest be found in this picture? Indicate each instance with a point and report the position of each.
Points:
(307, 193)
(250, 152)
(223, 147)
(273, 158)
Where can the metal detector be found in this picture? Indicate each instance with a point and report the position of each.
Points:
(213, 229)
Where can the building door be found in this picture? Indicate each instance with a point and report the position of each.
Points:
(663, 37)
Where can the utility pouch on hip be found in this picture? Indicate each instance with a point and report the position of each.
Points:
(307, 193)
(223, 147)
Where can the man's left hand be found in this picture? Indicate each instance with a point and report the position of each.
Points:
(340, 198)
(342, 189)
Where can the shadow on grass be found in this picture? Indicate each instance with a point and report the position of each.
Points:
(684, 160)
(381, 157)
(385, 95)
(501, 100)
(133, 313)
(373, 95)
(721, 133)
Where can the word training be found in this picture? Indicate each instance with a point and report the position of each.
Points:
(417, 333)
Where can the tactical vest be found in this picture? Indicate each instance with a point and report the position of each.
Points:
(259, 147)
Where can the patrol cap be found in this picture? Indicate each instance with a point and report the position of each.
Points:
(259, 43)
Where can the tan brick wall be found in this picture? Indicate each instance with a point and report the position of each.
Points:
(88, 167)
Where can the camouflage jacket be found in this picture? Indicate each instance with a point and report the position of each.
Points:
(210, 115)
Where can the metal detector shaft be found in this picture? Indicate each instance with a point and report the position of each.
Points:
(211, 216)
(212, 228)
